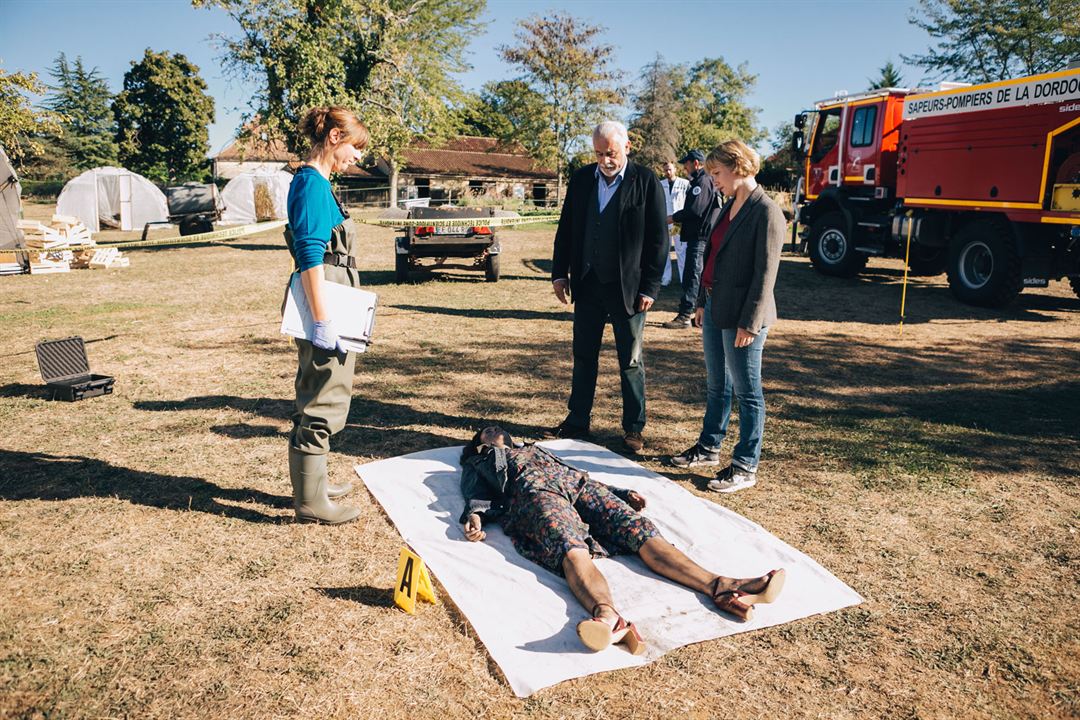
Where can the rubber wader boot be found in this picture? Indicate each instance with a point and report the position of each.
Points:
(336, 491)
(308, 475)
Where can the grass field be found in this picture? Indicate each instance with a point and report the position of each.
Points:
(151, 569)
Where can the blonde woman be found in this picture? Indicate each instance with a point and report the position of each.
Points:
(735, 309)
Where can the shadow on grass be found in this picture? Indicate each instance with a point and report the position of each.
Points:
(934, 412)
(873, 297)
(244, 431)
(36, 392)
(266, 407)
(882, 410)
(434, 274)
(373, 427)
(489, 313)
(362, 594)
(540, 266)
(38, 476)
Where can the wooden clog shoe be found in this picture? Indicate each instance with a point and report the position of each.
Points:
(596, 634)
(741, 604)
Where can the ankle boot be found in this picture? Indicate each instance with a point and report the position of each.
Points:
(308, 475)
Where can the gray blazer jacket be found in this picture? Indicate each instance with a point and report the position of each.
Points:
(744, 273)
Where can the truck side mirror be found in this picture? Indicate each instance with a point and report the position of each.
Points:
(800, 121)
(798, 140)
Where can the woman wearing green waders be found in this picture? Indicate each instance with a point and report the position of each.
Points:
(322, 240)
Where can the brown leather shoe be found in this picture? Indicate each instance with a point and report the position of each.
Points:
(634, 441)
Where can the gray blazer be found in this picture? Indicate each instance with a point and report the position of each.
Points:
(744, 273)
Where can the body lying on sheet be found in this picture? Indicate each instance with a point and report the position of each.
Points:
(560, 518)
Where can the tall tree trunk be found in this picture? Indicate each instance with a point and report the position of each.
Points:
(393, 182)
(558, 182)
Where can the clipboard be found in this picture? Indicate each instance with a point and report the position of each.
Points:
(351, 310)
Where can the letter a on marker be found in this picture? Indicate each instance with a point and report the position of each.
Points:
(413, 582)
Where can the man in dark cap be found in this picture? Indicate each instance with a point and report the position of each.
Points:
(699, 199)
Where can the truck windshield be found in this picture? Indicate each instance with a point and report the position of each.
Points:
(827, 132)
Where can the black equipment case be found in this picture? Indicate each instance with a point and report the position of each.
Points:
(66, 371)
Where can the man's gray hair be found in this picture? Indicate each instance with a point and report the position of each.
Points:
(613, 130)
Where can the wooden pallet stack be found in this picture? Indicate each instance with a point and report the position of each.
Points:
(10, 264)
(53, 243)
(102, 258)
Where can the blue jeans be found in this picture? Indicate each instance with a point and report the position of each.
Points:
(733, 370)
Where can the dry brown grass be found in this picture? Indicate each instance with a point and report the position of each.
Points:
(151, 570)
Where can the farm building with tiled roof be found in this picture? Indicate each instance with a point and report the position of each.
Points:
(477, 166)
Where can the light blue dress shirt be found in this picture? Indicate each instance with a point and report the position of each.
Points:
(604, 190)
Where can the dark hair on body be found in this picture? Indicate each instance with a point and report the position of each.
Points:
(472, 447)
(319, 121)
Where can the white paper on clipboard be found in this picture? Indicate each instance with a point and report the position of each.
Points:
(351, 310)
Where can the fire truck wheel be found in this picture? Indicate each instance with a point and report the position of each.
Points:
(984, 266)
(927, 261)
(831, 249)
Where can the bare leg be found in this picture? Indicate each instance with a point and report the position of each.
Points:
(588, 584)
(665, 559)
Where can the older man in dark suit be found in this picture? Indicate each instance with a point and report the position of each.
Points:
(609, 256)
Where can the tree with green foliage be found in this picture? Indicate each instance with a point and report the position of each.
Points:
(890, 77)
(162, 118)
(474, 115)
(654, 125)
(82, 97)
(561, 60)
(988, 40)
(513, 112)
(22, 126)
(713, 106)
(781, 168)
(391, 61)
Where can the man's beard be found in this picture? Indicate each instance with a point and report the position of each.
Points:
(610, 173)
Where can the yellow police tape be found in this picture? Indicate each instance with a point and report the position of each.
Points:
(226, 234)
(243, 230)
(459, 222)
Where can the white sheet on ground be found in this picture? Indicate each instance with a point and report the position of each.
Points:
(526, 616)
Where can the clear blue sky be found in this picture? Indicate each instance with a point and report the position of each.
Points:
(801, 51)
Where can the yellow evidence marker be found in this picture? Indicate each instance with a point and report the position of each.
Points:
(413, 582)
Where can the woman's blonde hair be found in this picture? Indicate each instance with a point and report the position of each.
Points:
(319, 121)
(737, 156)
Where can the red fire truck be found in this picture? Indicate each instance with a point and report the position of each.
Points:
(983, 181)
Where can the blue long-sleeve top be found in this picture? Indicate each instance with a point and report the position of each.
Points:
(313, 215)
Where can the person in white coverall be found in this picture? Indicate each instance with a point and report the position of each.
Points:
(675, 189)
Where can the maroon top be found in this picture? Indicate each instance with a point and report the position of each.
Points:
(716, 241)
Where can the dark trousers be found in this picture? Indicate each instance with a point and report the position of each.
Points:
(691, 277)
(595, 304)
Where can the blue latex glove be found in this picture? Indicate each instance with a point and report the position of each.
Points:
(324, 337)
